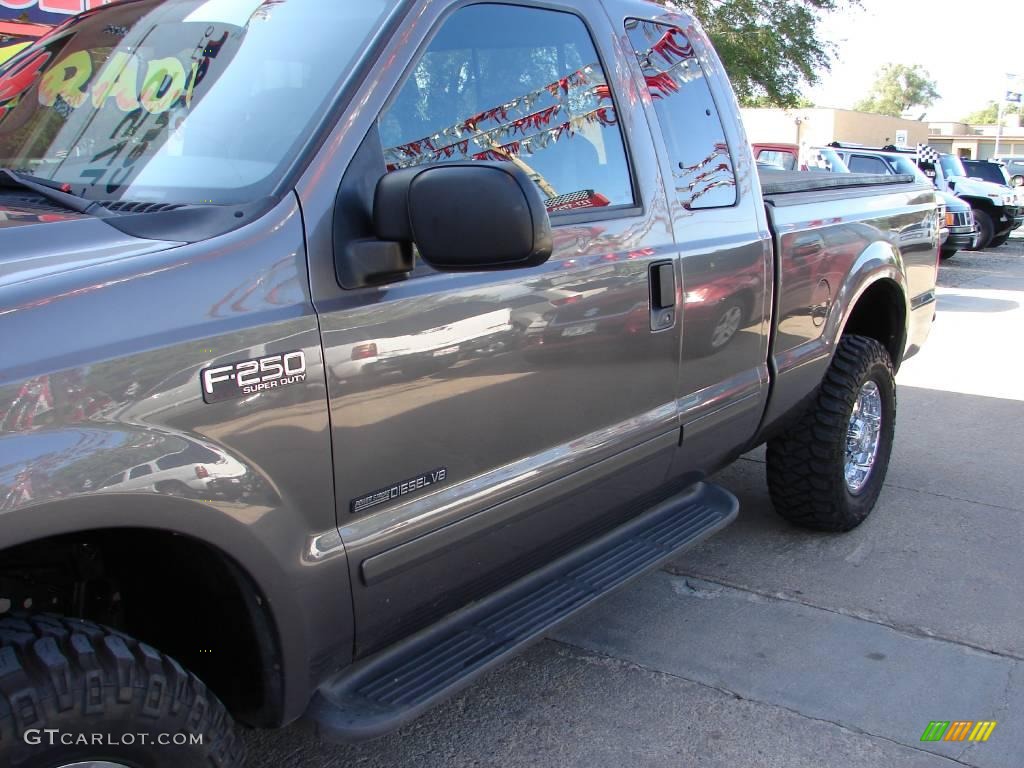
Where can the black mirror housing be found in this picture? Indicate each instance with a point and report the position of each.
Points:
(465, 216)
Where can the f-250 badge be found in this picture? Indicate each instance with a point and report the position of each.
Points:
(250, 377)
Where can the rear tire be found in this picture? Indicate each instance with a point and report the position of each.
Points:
(807, 464)
(947, 254)
(86, 680)
(985, 230)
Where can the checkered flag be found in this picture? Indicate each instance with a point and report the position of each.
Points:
(926, 154)
(585, 198)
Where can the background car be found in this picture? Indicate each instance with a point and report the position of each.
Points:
(993, 171)
(1014, 167)
(825, 159)
(783, 156)
(790, 157)
(194, 471)
(961, 230)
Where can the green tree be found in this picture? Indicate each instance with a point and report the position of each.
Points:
(897, 88)
(770, 48)
(990, 114)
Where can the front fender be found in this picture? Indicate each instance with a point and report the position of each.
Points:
(103, 423)
(52, 482)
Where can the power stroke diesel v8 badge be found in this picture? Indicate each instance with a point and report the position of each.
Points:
(250, 377)
(411, 485)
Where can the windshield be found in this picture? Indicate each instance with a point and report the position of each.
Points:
(986, 171)
(193, 101)
(951, 166)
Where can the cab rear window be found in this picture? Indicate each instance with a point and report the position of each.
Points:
(702, 169)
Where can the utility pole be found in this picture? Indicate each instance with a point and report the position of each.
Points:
(1010, 93)
(999, 123)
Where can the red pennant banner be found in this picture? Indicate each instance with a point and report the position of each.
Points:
(674, 47)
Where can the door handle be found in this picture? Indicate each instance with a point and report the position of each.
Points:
(663, 286)
(662, 280)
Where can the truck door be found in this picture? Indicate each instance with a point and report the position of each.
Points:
(485, 422)
(723, 241)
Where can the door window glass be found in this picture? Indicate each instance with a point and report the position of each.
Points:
(866, 164)
(702, 168)
(520, 85)
(784, 160)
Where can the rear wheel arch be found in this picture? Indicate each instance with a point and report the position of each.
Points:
(880, 312)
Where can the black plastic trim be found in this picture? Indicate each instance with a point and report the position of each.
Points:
(787, 182)
(401, 682)
(190, 223)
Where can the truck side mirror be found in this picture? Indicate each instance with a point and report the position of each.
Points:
(465, 216)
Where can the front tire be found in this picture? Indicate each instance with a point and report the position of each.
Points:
(826, 470)
(91, 683)
(997, 241)
(985, 230)
(948, 254)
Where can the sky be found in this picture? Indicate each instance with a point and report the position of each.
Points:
(967, 48)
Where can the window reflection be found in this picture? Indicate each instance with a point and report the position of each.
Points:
(521, 85)
(701, 165)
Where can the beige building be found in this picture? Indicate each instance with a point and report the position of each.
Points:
(816, 126)
(977, 142)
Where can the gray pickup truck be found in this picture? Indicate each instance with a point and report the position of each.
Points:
(349, 347)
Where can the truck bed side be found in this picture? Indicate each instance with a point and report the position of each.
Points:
(837, 237)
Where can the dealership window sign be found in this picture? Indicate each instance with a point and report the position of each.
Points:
(46, 11)
(902, 138)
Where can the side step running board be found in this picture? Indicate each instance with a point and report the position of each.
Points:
(398, 684)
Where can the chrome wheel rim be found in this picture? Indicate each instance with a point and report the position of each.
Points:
(863, 435)
(727, 326)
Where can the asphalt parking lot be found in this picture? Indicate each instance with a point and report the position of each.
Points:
(772, 646)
